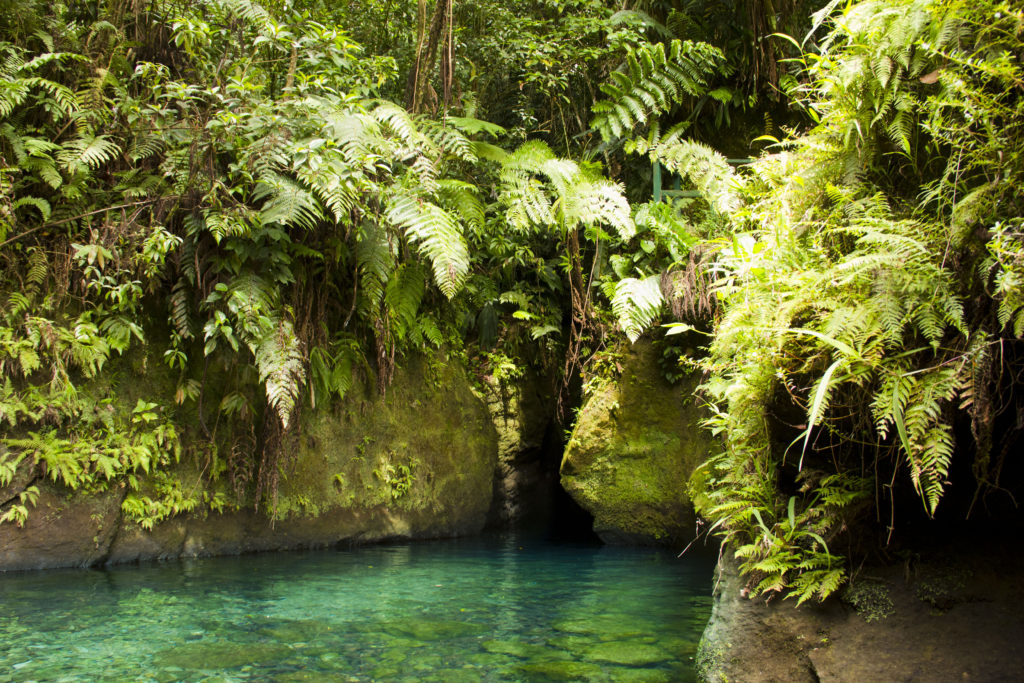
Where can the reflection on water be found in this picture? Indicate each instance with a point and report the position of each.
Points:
(473, 610)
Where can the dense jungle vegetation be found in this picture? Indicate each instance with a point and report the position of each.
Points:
(270, 199)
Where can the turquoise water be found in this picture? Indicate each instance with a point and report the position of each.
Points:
(480, 610)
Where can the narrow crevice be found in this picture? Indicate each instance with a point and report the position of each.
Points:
(118, 522)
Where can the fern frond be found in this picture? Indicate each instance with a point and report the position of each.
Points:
(279, 359)
(246, 9)
(375, 257)
(399, 123)
(463, 199)
(88, 152)
(708, 170)
(437, 235)
(654, 79)
(450, 140)
(404, 293)
(600, 203)
(287, 203)
(637, 304)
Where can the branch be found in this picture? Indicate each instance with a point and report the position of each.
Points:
(83, 215)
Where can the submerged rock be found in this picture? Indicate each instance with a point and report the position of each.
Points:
(522, 649)
(560, 671)
(426, 629)
(626, 652)
(220, 655)
(635, 444)
(453, 676)
(626, 675)
(608, 627)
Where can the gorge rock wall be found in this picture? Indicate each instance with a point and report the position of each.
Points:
(416, 463)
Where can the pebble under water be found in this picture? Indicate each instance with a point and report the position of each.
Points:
(499, 609)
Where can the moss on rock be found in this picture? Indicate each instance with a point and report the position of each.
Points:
(634, 447)
(415, 463)
(420, 459)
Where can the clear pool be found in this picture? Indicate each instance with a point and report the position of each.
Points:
(497, 609)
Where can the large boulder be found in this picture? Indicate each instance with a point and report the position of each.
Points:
(635, 444)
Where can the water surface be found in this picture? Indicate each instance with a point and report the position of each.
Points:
(473, 610)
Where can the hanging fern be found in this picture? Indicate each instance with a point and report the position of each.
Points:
(404, 293)
(437, 235)
(280, 361)
(637, 304)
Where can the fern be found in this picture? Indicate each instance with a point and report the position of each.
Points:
(541, 190)
(247, 10)
(404, 293)
(287, 203)
(88, 153)
(600, 202)
(280, 361)
(708, 170)
(450, 140)
(375, 258)
(654, 78)
(462, 198)
(437, 235)
(637, 304)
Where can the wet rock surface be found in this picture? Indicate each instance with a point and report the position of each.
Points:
(942, 615)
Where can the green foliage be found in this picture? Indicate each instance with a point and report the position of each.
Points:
(232, 164)
(653, 80)
(870, 599)
(844, 287)
(637, 304)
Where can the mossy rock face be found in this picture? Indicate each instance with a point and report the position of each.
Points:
(416, 462)
(521, 410)
(64, 529)
(634, 447)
